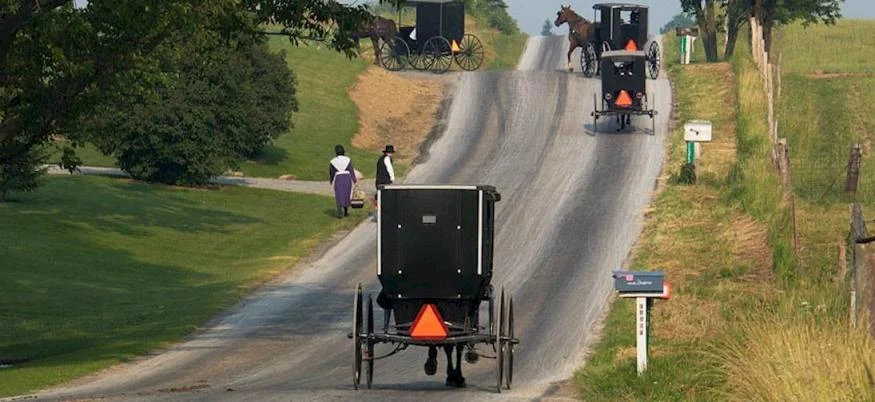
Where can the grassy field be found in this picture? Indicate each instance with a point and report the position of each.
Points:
(96, 271)
(748, 320)
(821, 49)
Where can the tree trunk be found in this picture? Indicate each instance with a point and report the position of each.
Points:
(707, 21)
(767, 35)
(709, 41)
(731, 37)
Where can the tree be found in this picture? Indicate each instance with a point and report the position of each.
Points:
(208, 104)
(547, 28)
(681, 20)
(56, 63)
(706, 18)
(737, 13)
(770, 13)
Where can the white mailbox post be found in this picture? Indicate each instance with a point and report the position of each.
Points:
(696, 132)
(643, 287)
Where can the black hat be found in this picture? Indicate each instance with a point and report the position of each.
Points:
(389, 150)
(338, 150)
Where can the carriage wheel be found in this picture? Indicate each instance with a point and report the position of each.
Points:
(499, 342)
(653, 60)
(419, 62)
(357, 337)
(470, 55)
(588, 60)
(438, 55)
(394, 54)
(370, 343)
(509, 357)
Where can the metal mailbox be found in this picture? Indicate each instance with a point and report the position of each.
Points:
(632, 283)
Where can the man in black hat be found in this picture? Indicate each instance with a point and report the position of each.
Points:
(385, 172)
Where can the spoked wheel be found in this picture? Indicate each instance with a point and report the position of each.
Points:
(394, 54)
(588, 60)
(653, 60)
(370, 355)
(419, 62)
(509, 357)
(470, 54)
(499, 342)
(438, 54)
(357, 337)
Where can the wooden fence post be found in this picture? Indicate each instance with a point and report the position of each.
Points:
(853, 170)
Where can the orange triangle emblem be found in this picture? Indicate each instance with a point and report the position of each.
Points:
(630, 46)
(455, 47)
(428, 324)
(624, 100)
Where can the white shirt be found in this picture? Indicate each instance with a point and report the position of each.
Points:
(388, 163)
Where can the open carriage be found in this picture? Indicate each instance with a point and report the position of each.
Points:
(624, 89)
(437, 39)
(434, 262)
(619, 26)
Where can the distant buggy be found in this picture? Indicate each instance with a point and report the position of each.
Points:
(434, 262)
(619, 26)
(436, 41)
(624, 89)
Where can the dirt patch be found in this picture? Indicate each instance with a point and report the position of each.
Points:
(395, 109)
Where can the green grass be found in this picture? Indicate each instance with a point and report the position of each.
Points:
(843, 48)
(327, 116)
(96, 271)
(508, 49)
(749, 319)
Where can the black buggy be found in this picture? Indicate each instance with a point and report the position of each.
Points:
(624, 89)
(434, 262)
(619, 26)
(439, 39)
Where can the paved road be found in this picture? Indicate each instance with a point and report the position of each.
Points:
(572, 206)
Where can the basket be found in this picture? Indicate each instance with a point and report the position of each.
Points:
(358, 199)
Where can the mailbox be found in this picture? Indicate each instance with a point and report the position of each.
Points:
(697, 131)
(640, 284)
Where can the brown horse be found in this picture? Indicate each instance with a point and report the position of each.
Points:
(579, 29)
(377, 28)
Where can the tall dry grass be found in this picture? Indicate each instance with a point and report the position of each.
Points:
(798, 357)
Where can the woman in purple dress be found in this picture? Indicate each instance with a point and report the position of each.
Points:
(342, 176)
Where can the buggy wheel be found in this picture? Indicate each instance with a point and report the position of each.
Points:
(588, 60)
(509, 357)
(470, 54)
(499, 342)
(370, 355)
(438, 54)
(653, 60)
(357, 337)
(419, 62)
(394, 54)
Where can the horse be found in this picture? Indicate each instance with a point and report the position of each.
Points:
(454, 372)
(376, 28)
(579, 29)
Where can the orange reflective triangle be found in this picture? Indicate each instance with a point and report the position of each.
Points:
(428, 324)
(455, 47)
(624, 99)
(631, 46)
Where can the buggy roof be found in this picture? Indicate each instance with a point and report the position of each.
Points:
(624, 6)
(624, 55)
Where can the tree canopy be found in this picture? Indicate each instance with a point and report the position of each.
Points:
(57, 62)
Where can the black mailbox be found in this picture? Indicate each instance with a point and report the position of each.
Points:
(637, 283)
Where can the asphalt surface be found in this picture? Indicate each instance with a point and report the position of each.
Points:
(572, 207)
